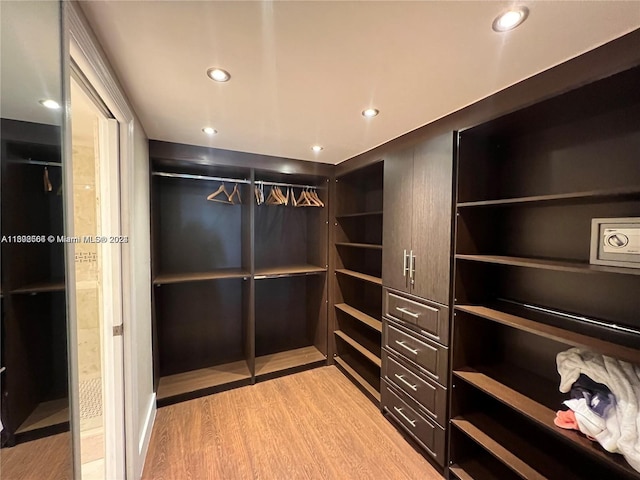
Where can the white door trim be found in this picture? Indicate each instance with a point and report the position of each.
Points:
(85, 51)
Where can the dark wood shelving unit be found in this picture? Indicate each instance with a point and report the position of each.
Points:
(357, 246)
(529, 185)
(34, 383)
(247, 300)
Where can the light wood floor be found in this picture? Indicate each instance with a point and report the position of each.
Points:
(311, 425)
(44, 459)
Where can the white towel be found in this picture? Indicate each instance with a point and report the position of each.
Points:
(622, 431)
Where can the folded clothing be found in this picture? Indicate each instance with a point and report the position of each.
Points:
(622, 422)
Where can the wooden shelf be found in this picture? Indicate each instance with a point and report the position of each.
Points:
(360, 316)
(502, 442)
(288, 271)
(554, 333)
(485, 380)
(42, 287)
(561, 198)
(472, 469)
(366, 353)
(557, 265)
(186, 382)
(359, 214)
(299, 357)
(360, 276)
(45, 415)
(358, 378)
(359, 245)
(224, 273)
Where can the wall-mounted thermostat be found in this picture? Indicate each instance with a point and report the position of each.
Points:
(615, 241)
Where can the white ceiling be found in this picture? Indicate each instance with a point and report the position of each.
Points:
(30, 60)
(303, 71)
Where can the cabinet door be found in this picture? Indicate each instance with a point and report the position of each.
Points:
(432, 208)
(396, 237)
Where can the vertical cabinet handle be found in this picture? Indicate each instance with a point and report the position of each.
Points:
(405, 265)
(412, 267)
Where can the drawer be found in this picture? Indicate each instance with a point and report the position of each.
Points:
(432, 320)
(432, 357)
(428, 434)
(430, 395)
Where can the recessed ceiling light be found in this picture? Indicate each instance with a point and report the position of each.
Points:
(209, 130)
(510, 19)
(218, 75)
(317, 148)
(52, 104)
(370, 112)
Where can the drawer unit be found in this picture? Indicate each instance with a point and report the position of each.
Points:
(430, 319)
(432, 357)
(426, 432)
(431, 396)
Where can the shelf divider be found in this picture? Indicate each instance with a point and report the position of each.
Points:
(358, 378)
(372, 246)
(359, 214)
(223, 273)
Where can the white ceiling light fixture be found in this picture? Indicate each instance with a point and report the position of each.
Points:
(218, 75)
(317, 148)
(370, 112)
(209, 130)
(52, 104)
(510, 19)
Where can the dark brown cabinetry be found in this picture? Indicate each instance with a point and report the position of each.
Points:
(529, 184)
(417, 207)
(239, 289)
(357, 305)
(34, 329)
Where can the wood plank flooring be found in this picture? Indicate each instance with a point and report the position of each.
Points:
(311, 425)
(43, 459)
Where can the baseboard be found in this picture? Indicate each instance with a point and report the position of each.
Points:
(145, 437)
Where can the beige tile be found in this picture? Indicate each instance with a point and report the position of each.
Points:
(89, 360)
(87, 308)
(84, 165)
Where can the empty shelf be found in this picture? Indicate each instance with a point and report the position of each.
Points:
(554, 333)
(194, 380)
(574, 197)
(288, 271)
(557, 265)
(358, 378)
(472, 469)
(360, 316)
(365, 352)
(46, 414)
(276, 362)
(361, 276)
(223, 273)
(359, 214)
(42, 287)
(372, 246)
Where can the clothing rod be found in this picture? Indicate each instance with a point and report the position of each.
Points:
(201, 177)
(613, 326)
(292, 185)
(29, 161)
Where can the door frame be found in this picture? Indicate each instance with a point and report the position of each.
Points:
(80, 46)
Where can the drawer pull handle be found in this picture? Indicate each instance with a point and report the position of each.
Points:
(401, 378)
(408, 312)
(399, 410)
(403, 345)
